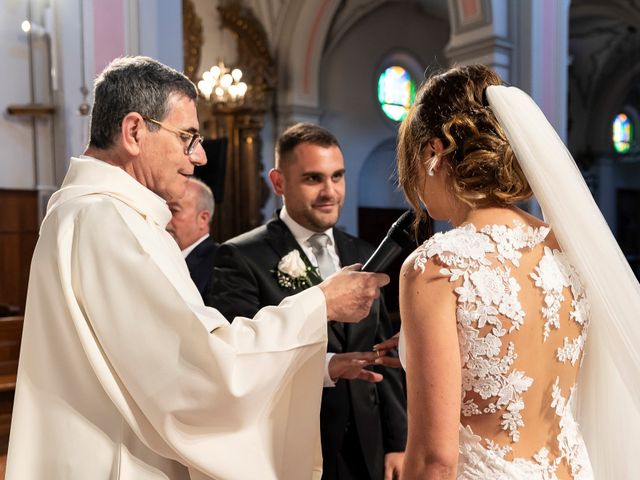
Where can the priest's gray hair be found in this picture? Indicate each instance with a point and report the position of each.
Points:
(133, 84)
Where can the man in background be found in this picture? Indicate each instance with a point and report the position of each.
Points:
(190, 222)
(363, 423)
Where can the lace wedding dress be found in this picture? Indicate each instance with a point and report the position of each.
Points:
(522, 319)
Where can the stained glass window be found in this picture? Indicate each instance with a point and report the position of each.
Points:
(622, 133)
(396, 91)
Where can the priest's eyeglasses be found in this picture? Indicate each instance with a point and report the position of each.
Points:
(191, 139)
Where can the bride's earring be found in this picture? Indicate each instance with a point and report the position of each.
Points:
(431, 165)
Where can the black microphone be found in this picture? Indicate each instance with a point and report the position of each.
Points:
(392, 245)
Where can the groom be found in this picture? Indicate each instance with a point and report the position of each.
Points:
(363, 423)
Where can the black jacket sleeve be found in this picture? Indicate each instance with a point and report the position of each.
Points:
(234, 288)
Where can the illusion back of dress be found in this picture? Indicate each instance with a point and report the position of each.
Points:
(522, 319)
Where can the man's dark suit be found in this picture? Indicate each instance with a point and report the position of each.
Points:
(200, 263)
(244, 281)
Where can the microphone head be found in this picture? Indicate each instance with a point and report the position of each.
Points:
(392, 245)
(399, 230)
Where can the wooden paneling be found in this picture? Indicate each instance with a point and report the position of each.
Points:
(10, 336)
(18, 236)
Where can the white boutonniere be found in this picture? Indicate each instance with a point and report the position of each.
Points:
(293, 272)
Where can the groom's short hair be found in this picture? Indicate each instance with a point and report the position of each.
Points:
(302, 133)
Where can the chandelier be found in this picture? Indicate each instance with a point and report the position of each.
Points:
(222, 85)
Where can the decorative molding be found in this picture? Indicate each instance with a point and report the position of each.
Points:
(461, 23)
(192, 39)
(467, 17)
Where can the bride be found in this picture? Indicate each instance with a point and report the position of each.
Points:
(496, 311)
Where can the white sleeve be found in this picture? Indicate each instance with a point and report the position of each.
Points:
(328, 382)
(208, 400)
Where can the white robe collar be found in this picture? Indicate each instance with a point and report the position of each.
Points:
(88, 176)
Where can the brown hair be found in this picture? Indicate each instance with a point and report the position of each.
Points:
(451, 106)
(302, 133)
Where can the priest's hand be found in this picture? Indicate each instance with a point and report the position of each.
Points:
(350, 293)
(351, 366)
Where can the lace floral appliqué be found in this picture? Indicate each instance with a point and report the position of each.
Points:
(553, 274)
(488, 308)
(486, 291)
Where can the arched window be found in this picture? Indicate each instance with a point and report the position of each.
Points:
(396, 91)
(622, 133)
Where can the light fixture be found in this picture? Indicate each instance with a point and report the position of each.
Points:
(222, 85)
(33, 28)
(36, 32)
(47, 33)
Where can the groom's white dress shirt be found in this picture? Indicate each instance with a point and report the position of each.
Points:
(302, 235)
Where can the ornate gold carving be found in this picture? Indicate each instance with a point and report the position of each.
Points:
(192, 39)
(245, 190)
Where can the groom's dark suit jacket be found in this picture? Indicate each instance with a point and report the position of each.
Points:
(244, 281)
(200, 264)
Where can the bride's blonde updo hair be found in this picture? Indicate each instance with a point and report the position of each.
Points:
(451, 107)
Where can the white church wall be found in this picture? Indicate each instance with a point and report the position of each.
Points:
(348, 82)
(377, 182)
(16, 133)
(82, 37)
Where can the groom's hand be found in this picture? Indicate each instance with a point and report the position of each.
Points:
(350, 293)
(393, 462)
(383, 348)
(352, 366)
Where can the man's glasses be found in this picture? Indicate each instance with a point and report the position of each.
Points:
(191, 139)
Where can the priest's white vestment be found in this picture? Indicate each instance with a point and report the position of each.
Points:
(125, 374)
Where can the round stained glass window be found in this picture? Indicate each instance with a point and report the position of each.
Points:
(622, 133)
(396, 91)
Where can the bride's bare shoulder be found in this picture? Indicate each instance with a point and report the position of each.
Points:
(419, 265)
(530, 219)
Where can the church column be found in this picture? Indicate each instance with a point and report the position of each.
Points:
(481, 32)
(542, 54)
(543, 57)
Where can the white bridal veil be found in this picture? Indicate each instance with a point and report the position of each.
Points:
(608, 396)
